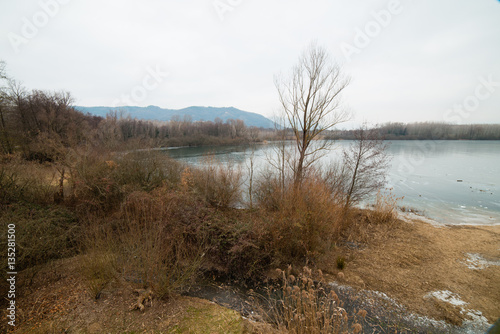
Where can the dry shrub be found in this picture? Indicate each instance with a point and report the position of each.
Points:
(268, 192)
(385, 209)
(239, 246)
(156, 239)
(98, 267)
(305, 223)
(26, 181)
(147, 170)
(220, 185)
(43, 233)
(93, 187)
(301, 304)
(101, 182)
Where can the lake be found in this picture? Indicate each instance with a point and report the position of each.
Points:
(452, 182)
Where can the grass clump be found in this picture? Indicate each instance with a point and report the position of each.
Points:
(341, 263)
(384, 210)
(43, 233)
(220, 185)
(98, 268)
(302, 303)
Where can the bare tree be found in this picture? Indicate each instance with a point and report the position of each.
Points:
(366, 162)
(280, 157)
(310, 99)
(5, 134)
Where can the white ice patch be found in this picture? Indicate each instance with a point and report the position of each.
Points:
(447, 296)
(477, 320)
(477, 262)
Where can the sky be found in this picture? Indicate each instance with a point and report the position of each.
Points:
(408, 60)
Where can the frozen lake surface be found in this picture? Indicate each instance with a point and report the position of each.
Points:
(452, 182)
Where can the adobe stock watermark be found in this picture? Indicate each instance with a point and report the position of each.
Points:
(483, 91)
(222, 7)
(140, 92)
(11, 274)
(31, 25)
(363, 37)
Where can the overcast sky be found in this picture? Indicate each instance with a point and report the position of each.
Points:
(409, 60)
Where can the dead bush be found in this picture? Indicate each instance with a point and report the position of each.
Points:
(101, 182)
(220, 185)
(156, 238)
(304, 223)
(384, 210)
(27, 181)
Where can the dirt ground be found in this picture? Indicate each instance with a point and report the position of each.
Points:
(443, 272)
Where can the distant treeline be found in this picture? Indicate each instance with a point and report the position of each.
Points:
(184, 132)
(44, 126)
(429, 130)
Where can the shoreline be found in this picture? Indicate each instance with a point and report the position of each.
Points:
(410, 216)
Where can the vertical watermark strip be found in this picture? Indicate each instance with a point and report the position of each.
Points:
(11, 274)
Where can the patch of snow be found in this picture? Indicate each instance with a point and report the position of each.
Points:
(477, 262)
(476, 323)
(448, 297)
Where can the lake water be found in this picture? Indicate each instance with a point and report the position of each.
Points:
(453, 182)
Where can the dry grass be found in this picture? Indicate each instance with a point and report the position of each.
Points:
(56, 302)
(220, 185)
(384, 210)
(26, 181)
(407, 261)
(98, 268)
(149, 242)
(303, 304)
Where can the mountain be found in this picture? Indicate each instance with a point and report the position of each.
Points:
(196, 114)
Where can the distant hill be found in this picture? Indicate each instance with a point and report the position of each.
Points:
(196, 114)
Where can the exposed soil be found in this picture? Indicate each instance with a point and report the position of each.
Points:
(442, 272)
